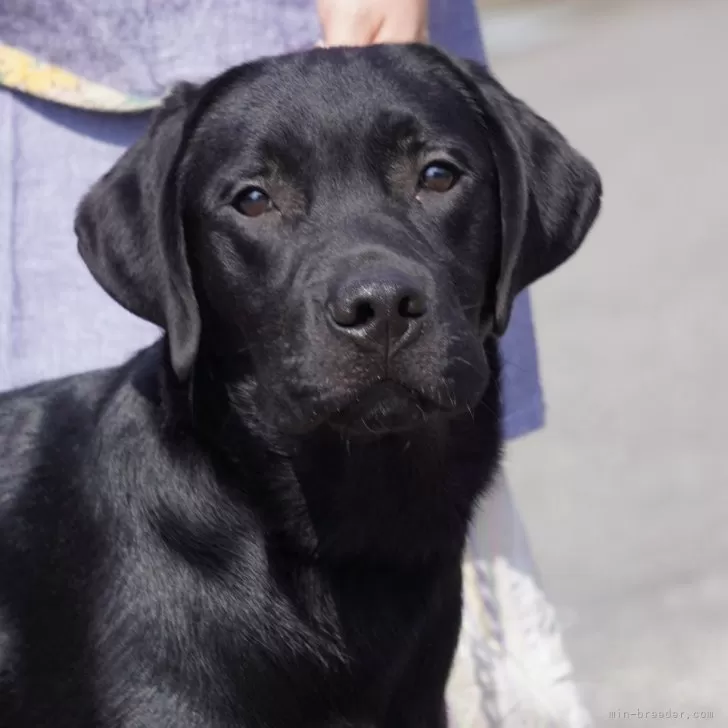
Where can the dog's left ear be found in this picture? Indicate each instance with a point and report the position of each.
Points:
(549, 194)
(130, 234)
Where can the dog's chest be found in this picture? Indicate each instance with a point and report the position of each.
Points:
(291, 645)
(337, 643)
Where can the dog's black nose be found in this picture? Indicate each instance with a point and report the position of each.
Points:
(380, 310)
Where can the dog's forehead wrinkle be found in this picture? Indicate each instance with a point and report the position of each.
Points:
(345, 133)
(332, 115)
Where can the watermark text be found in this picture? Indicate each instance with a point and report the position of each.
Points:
(661, 714)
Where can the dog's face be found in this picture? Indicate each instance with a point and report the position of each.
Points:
(338, 231)
(342, 229)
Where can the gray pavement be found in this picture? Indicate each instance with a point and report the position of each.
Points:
(625, 494)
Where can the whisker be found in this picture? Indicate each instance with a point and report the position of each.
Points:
(472, 307)
(464, 361)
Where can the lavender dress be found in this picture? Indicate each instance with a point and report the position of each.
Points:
(54, 319)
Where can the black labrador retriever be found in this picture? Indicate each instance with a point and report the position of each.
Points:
(259, 520)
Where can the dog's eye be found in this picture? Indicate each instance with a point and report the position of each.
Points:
(438, 177)
(252, 202)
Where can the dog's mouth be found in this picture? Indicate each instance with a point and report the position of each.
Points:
(385, 407)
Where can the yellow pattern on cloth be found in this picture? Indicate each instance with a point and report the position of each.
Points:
(23, 72)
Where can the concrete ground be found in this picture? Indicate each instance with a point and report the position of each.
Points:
(625, 493)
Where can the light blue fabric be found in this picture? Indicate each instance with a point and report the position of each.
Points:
(54, 319)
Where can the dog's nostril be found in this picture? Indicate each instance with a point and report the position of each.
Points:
(363, 313)
(412, 307)
(352, 314)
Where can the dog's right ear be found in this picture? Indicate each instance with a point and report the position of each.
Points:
(130, 232)
(550, 194)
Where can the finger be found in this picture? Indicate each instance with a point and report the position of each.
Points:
(398, 34)
(346, 26)
(402, 28)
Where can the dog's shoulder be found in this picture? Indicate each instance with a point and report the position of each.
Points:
(47, 429)
(35, 421)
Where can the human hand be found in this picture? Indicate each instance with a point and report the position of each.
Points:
(365, 22)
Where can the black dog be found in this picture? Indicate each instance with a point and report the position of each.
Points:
(259, 521)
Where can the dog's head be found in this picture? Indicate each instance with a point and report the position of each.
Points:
(337, 231)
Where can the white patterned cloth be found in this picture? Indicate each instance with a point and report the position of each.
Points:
(511, 669)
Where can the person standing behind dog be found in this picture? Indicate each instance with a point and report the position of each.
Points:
(79, 78)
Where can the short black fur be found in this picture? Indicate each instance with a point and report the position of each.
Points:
(259, 520)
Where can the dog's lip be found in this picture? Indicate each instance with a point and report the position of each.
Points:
(382, 391)
(386, 406)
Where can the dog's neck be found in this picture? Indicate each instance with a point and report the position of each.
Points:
(403, 497)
